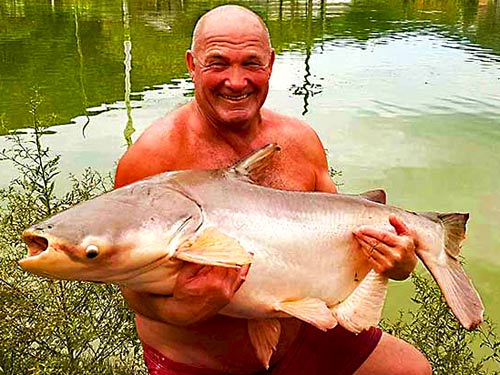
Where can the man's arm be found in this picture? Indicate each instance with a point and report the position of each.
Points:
(200, 293)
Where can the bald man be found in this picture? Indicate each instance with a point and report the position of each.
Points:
(230, 63)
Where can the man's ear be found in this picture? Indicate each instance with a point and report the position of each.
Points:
(271, 61)
(190, 63)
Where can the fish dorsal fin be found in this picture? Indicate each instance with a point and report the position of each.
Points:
(214, 248)
(378, 196)
(311, 310)
(254, 165)
(363, 308)
(264, 336)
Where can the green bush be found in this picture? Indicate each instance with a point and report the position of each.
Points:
(47, 326)
(435, 331)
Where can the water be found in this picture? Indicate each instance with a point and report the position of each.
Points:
(405, 95)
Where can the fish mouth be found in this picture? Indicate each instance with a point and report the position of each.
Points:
(36, 243)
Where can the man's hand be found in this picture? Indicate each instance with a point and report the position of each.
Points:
(208, 288)
(391, 254)
(200, 293)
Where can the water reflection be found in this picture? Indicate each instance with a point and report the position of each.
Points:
(73, 49)
(127, 49)
(80, 65)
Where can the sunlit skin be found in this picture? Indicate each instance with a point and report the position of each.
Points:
(230, 63)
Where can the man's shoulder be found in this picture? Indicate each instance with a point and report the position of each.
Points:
(168, 128)
(292, 130)
(303, 156)
(285, 121)
(154, 151)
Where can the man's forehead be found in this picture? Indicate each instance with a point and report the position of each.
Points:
(227, 42)
(231, 25)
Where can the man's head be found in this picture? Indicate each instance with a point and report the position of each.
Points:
(230, 62)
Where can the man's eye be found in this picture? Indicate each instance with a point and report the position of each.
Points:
(216, 64)
(253, 65)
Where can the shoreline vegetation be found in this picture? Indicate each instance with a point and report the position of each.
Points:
(61, 327)
(47, 326)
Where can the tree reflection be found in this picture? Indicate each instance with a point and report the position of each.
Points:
(77, 46)
(127, 49)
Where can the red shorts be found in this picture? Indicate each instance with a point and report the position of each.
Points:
(335, 352)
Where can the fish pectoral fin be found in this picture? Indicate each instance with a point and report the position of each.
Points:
(362, 309)
(264, 336)
(311, 310)
(214, 248)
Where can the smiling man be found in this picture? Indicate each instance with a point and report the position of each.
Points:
(230, 62)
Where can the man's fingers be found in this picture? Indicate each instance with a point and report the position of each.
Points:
(244, 271)
(190, 270)
(386, 235)
(375, 238)
(399, 226)
(375, 252)
(370, 245)
(241, 276)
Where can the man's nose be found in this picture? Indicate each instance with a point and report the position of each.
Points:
(236, 79)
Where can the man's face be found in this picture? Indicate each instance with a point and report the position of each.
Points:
(231, 67)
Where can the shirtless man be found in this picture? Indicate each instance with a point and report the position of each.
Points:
(230, 62)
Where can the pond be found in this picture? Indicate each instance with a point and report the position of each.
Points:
(405, 95)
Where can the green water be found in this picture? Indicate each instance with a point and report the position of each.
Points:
(404, 94)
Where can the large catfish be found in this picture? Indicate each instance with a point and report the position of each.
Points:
(306, 262)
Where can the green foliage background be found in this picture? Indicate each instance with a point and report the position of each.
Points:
(62, 328)
(54, 327)
(433, 329)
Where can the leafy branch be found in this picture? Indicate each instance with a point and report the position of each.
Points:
(55, 327)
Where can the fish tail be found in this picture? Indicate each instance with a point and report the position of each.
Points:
(448, 272)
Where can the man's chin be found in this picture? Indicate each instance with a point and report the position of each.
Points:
(237, 119)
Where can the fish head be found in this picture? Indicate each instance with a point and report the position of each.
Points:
(53, 254)
(112, 238)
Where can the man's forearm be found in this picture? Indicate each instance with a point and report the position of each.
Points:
(164, 308)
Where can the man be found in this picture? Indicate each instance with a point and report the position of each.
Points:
(230, 62)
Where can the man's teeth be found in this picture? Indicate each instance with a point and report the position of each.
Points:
(240, 97)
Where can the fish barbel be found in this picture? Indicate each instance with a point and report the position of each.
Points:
(305, 260)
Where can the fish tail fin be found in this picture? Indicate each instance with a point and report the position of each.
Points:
(456, 286)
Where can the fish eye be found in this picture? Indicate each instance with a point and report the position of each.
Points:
(92, 251)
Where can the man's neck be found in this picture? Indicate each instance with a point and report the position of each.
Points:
(237, 136)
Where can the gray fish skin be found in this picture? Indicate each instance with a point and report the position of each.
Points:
(305, 261)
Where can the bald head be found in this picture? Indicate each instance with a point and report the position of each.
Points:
(229, 17)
